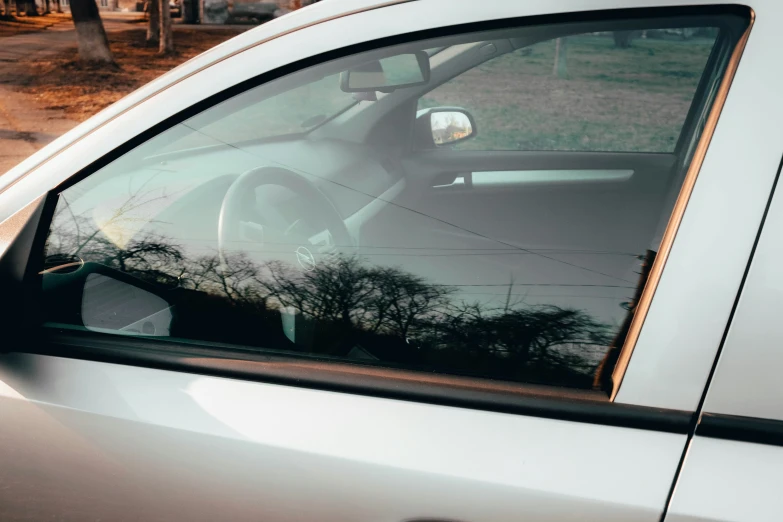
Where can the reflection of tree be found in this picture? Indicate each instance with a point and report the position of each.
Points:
(448, 127)
(339, 292)
(622, 39)
(602, 379)
(526, 335)
(232, 280)
(369, 298)
(410, 302)
(149, 257)
(392, 314)
(523, 343)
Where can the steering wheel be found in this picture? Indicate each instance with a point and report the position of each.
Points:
(233, 227)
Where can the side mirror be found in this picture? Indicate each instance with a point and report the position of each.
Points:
(388, 74)
(445, 125)
(100, 298)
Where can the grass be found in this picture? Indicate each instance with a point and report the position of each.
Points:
(624, 100)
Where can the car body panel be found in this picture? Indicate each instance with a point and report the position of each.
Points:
(728, 481)
(127, 443)
(747, 377)
(693, 301)
(725, 480)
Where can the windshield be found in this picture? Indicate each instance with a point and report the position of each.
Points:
(291, 112)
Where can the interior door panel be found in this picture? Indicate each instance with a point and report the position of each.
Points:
(583, 232)
(603, 198)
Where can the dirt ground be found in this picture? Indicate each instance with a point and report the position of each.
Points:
(30, 24)
(60, 82)
(44, 91)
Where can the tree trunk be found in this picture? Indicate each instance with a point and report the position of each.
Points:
(153, 29)
(560, 68)
(166, 31)
(93, 43)
(622, 39)
(31, 9)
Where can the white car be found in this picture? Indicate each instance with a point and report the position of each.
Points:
(387, 260)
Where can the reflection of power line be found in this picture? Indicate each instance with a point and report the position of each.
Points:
(473, 232)
(392, 254)
(510, 253)
(492, 251)
(545, 295)
(535, 284)
(391, 247)
(478, 234)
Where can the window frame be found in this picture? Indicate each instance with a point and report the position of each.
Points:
(519, 398)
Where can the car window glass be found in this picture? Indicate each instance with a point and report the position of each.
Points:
(394, 235)
(623, 91)
(292, 111)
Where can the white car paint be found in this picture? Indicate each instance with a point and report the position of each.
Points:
(729, 481)
(747, 379)
(695, 295)
(285, 453)
(734, 481)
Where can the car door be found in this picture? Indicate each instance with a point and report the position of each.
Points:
(260, 302)
(734, 457)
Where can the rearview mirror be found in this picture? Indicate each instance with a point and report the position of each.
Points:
(388, 74)
(447, 125)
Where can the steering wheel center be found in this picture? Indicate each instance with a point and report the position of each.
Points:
(233, 228)
(305, 259)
